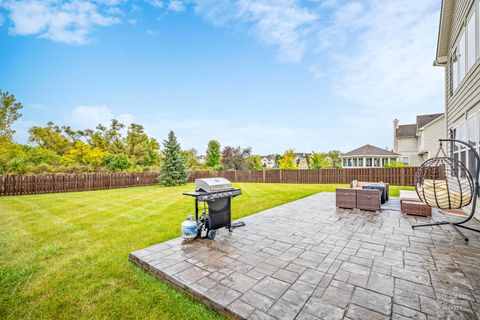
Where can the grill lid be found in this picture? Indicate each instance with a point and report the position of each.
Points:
(212, 184)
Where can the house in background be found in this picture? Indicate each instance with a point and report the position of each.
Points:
(269, 161)
(418, 142)
(368, 156)
(201, 159)
(458, 50)
(301, 159)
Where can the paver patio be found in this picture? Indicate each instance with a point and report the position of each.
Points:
(308, 260)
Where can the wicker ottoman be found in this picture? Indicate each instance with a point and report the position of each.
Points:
(368, 199)
(415, 208)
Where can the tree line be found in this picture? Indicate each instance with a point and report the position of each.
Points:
(117, 147)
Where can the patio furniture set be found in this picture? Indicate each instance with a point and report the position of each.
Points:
(370, 196)
(363, 195)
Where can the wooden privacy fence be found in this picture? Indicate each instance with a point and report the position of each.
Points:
(11, 185)
(34, 184)
(393, 176)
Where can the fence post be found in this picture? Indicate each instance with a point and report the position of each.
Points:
(402, 176)
(280, 175)
(263, 176)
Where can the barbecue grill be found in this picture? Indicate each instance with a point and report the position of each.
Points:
(216, 195)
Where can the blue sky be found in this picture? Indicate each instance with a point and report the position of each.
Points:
(309, 75)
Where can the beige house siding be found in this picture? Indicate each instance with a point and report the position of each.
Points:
(467, 94)
(429, 136)
(465, 100)
(407, 147)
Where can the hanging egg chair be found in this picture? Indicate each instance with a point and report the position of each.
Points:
(445, 183)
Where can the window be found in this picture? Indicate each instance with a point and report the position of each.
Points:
(471, 45)
(461, 58)
(354, 162)
(406, 160)
(360, 162)
(454, 71)
(384, 161)
(349, 162)
(369, 162)
(344, 162)
(377, 162)
(472, 130)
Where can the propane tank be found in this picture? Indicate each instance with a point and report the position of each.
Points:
(189, 228)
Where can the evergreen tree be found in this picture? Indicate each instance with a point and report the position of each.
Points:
(213, 156)
(173, 171)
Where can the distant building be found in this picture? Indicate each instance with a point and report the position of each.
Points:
(201, 159)
(418, 142)
(269, 161)
(368, 156)
(301, 159)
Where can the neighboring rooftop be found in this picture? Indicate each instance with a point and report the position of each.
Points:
(369, 150)
(425, 119)
(410, 130)
(407, 130)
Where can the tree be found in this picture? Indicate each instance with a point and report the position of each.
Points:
(109, 139)
(9, 113)
(84, 154)
(50, 138)
(288, 160)
(319, 160)
(139, 147)
(117, 162)
(191, 159)
(213, 156)
(255, 162)
(173, 171)
(235, 158)
(334, 156)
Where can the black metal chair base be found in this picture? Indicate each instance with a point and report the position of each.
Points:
(453, 225)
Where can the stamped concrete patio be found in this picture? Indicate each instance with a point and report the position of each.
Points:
(308, 260)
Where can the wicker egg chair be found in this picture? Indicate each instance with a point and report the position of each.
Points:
(445, 183)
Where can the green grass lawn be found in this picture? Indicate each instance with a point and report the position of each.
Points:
(66, 255)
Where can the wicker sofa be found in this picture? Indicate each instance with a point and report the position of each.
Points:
(359, 184)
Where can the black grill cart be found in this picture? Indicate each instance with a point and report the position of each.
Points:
(216, 201)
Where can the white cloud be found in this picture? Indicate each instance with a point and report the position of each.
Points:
(284, 24)
(83, 117)
(155, 3)
(382, 53)
(69, 22)
(177, 5)
(196, 132)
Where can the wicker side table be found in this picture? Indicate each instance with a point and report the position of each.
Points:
(415, 208)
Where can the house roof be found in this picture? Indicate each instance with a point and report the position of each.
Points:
(425, 119)
(445, 25)
(410, 130)
(407, 130)
(269, 157)
(369, 150)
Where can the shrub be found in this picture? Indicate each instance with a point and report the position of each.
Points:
(117, 162)
(395, 164)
